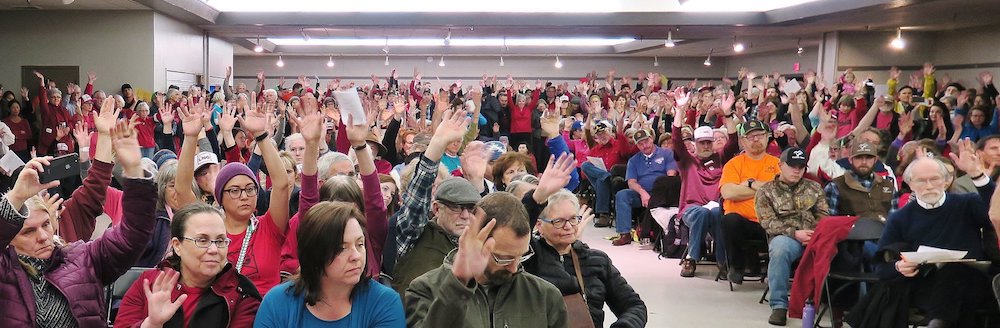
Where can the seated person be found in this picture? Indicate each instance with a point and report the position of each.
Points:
(950, 293)
(789, 208)
(205, 281)
(861, 192)
(487, 267)
(559, 246)
(334, 286)
(741, 177)
(644, 167)
(612, 147)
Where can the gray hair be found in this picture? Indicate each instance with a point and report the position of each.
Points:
(560, 196)
(326, 161)
(293, 137)
(219, 97)
(270, 91)
(164, 176)
(142, 105)
(54, 92)
(908, 173)
(171, 92)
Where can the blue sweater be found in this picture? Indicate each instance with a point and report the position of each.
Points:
(375, 306)
(956, 225)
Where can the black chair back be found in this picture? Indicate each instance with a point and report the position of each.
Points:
(117, 290)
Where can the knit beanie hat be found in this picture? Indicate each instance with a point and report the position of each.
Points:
(228, 172)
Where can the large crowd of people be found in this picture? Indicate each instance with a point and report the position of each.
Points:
(439, 205)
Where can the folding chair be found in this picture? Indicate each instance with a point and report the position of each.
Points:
(116, 291)
(864, 229)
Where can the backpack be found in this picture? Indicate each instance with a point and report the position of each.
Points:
(675, 240)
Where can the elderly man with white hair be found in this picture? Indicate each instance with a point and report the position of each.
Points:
(948, 293)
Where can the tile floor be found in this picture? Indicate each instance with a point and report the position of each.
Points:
(673, 301)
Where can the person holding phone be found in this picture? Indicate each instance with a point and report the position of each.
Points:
(67, 279)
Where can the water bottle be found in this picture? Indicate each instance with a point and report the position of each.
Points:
(808, 314)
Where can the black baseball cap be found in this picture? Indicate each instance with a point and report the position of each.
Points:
(753, 125)
(795, 157)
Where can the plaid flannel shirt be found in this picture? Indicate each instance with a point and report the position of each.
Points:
(412, 218)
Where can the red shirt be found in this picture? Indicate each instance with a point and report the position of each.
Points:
(263, 254)
(616, 151)
(520, 117)
(144, 129)
(194, 294)
(22, 133)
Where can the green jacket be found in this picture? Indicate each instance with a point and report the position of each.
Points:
(438, 299)
(426, 255)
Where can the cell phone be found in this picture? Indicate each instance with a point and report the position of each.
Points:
(870, 83)
(917, 99)
(60, 168)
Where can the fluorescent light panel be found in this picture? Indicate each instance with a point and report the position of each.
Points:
(455, 42)
(556, 6)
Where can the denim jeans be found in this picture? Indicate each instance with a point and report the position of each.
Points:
(782, 251)
(701, 221)
(598, 178)
(147, 152)
(625, 200)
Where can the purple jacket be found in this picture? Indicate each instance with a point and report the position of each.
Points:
(82, 269)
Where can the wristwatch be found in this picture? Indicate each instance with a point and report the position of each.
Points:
(750, 183)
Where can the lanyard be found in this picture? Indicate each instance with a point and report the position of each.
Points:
(246, 243)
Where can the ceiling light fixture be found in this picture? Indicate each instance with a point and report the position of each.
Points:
(558, 63)
(386, 60)
(455, 42)
(708, 61)
(305, 37)
(441, 63)
(280, 63)
(670, 40)
(447, 39)
(501, 61)
(898, 42)
(329, 63)
(799, 45)
(656, 62)
(258, 47)
(737, 46)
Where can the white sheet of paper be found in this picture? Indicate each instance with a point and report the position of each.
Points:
(10, 163)
(927, 254)
(598, 162)
(349, 103)
(791, 87)
(711, 205)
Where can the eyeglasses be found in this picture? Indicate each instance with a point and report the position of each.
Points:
(236, 192)
(348, 174)
(458, 208)
(525, 257)
(561, 223)
(205, 242)
(927, 182)
(755, 137)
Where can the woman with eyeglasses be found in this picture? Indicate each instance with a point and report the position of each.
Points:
(557, 247)
(256, 240)
(196, 286)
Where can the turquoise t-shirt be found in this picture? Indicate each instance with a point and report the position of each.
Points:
(452, 163)
(376, 306)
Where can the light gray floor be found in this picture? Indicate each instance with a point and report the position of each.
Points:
(673, 301)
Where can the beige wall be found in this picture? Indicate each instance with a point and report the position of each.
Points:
(775, 61)
(117, 45)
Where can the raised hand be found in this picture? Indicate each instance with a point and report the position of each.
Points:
(81, 135)
(91, 77)
(229, 71)
(191, 119)
(311, 122)
(260, 75)
(159, 307)
(52, 204)
(254, 122)
(556, 175)
(356, 133)
(905, 123)
(27, 184)
(475, 250)
(62, 131)
(986, 77)
(474, 160)
(107, 117)
(125, 143)
(227, 120)
(929, 68)
(24, 93)
(967, 160)
(454, 124)
(894, 73)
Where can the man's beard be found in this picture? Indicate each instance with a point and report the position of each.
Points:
(499, 277)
